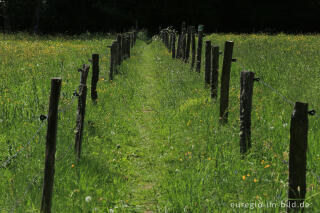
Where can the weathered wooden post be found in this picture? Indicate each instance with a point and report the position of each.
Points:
(131, 39)
(184, 46)
(95, 76)
(187, 54)
(173, 45)
(134, 37)
(128, 49)
(112, 51)
(167, 39)
(170, 41)
(48, 179)
(81, 109)
(215, 72)
(123, 48)
(116, 57)
(119, 40)
(193, 43)
(207, 67)
(246, 91)
(199, 50)
(298, 157)
(225, 80)
(178, 53)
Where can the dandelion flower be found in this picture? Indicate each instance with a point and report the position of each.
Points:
(255, 180)
(243, 177)
(266, 166)
(72, 165)
(88, 199)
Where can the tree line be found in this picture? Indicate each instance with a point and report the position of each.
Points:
(77, 16)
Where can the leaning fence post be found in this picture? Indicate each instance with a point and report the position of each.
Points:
(95, 76)
(215, 70)
(48, 179)
(298, 157)
(225, 80)
(208, 63)
(193, 43)
(246, 91)
(199, 50)
(173, 45)
(81, 109)
(129, 47)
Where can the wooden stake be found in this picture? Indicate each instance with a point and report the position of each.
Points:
(95, 76)
(225, 80)
(246, 91)
(81, 110)
(298, 157)
(199, 50)
(48, 179)
(193, 43)
(173, 45)
(208, 63)
(215, 72)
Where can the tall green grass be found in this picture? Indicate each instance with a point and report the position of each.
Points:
(153, 140)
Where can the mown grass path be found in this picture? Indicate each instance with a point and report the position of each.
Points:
(143, 169)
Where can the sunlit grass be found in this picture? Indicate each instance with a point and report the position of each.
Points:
(153, 140)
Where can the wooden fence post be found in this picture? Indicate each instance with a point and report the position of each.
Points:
(123, 48)
(173, 45)
(208, 63)
(116, 57)
(184, 46)
(119, 40)
(187, 54)
(48, 179)
(131, 39)
(128, 48)
(193, 43)
(199, 50)
(246, 91)
(170, 41)
(215, 71)
(298, 157)
(225, 80)
(95, 76)
(81, 109)
(178, 53)
(112, 60)
(134, 37)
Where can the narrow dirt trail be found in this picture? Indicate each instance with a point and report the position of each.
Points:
(144, 169)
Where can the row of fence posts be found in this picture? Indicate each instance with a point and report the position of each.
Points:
(120, 50)
(299, 119)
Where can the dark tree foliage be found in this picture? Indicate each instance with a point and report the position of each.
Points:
(77, 16)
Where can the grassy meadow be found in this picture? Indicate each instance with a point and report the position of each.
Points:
(153, 142)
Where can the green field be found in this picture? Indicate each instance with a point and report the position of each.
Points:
(153, 142)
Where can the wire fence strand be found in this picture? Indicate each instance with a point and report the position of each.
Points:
(286, 99)
(8, 161)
